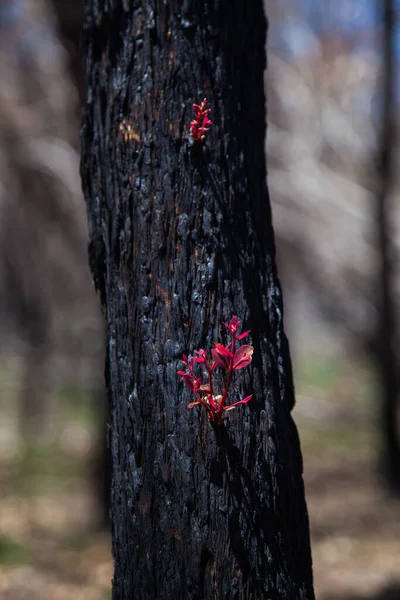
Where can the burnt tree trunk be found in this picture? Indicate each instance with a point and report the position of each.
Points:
(180, 240)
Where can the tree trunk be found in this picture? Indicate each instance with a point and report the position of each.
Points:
(388, 363)
(69, 15)
(180, 240)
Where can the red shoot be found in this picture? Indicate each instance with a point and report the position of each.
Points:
(225, 357)
(232, 326)
(222, 356)
(242, 357)
(198, 126)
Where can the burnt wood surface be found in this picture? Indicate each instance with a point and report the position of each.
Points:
(181, 239)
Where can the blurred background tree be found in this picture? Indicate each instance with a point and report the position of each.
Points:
(387, 335)
(337, 69)
(325, 87)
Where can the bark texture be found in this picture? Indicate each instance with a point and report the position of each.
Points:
(180, 240)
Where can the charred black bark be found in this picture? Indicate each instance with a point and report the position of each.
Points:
(181, 239)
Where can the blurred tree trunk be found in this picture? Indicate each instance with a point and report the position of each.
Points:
(181, 239)
(70, 15)
(388, 327)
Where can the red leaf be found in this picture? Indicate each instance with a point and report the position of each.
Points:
(192, 382)
(223, 349)
(201, 356)
(233, 325)
(244, 401)
(222, 356)
(205, 388)
(242, 357)
(199, 359)
(191, 404)
(243, 335)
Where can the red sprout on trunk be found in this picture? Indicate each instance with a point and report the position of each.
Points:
(225, 357)
(198, 126)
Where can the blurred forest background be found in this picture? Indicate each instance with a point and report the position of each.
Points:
(332, 152)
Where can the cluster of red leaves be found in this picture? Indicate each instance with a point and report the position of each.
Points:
(226, 357)
(198, 126)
